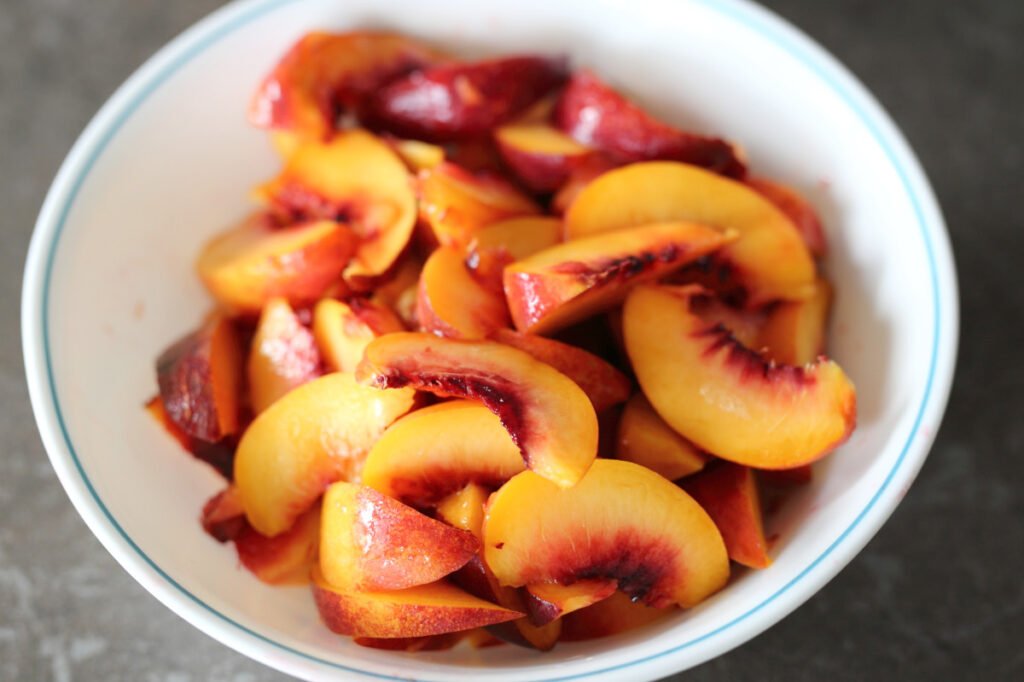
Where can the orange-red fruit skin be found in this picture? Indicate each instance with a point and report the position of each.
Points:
(797, 209)
(283, 355)
(285, 559)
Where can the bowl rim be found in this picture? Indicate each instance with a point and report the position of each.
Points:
(104, 126)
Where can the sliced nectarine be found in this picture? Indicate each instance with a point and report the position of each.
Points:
(501, 243)
(418, 155)
(343, 329)
(603, 384)
(398, 290)
(200, 380)
(460, 100)
(797, 209)
(621, 522)
(580, 176)
(324, 73)
(645, 438)
(566, 283)
(219, 455)
(769, 257)
(317, 434)
(794, 332)
(453, 303)
(223, 516)
(465, 508)
(370, 542)
(357, 179)
(596, 115)
(541, 156)
(726, 398)
(547, 601)
(548, 416)
(456, 443)
(456, 203)
(612, 616)
(728, 493)
(284, 559)
(283, 355)
(431, 609)
(258, 260)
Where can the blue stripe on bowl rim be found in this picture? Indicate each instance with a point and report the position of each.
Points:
(746, 14)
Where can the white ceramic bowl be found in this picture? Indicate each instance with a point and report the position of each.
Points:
(168, 161)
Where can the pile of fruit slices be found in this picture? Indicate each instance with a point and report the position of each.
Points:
(500, 356)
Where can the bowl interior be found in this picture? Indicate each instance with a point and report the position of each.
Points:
(177, 162)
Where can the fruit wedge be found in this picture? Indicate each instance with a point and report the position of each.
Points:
(284, 559)
(549, 417)
(794, 332)
(798, 209)
(645, 438)
(344, 329)
(621, 522)
(283, 355)
(728, 493)
(451, 302)
(726, 398)
(546, 602)
(501, 243)
(612, 616)
(220, 455)
(465, 508)
(541, 156)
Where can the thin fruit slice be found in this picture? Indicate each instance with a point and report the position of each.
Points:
(645, 438)
(355, 178)
(794, 332)
(612, 616)
(418, 155)
(621, 522)
(283, 355)
(316, 435)
(219, 455)
(200, 381)
(285, 559)
(456, 443)
(501, 243)
(372, 542)
(465, 508)
(797, 209)
(727, 399)
(548, 416)
(453, 303)
(603, 384)
(569, 282)
(581, 176)
(769, 258)
(344, 329)
(728, 493)
(432, 609)
(546, 602)
(413, 644)
(541, 156)
(223, 516)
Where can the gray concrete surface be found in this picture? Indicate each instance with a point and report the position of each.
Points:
(937, 594)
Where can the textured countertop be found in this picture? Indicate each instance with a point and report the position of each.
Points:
(937, 594)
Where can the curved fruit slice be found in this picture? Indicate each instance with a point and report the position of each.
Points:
(458, 101)
(456, 443)
(418, 155)
(452, 303)
(726, 398)
(283, 355)
(250, 264)
(620, 522)
(316, 435)
(456, 203)
(465, 508)
(285, 559)
(581, 176)
(548, 416)
(325, 73)
(794, 332)
(612, 616)
(797, 209)
(541, 156)
(200, 381)
(546, 602)
(223, 516)
(645, 438)
(355, 178)
(569, 282)
(372, 542)
(343, 330)
(598, 116)
(769, 257)
(728, 493)
(431, 609)
(785, 478)
(413, 644)
(501, 243)
(219, 455)
(603, 384)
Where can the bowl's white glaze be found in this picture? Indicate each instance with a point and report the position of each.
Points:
(169, 159)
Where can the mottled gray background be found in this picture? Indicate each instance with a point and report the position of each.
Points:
(938, 594)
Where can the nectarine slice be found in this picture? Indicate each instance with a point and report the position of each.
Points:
(769, 257)
(727, 399)
(728, 493)
(547, 601)
(315, 435)
(283, 355)
(566, 283)
(453, 303)
(431, 609)
(455, 443)
(603, 383)
(284, 559)
(548, 416)
(541, 156)
(621, 522)
(370, 542)
(501, 243)
(223, 516)
(465, 508)
(798, 209)
(357, 179)
(418, 155)
(220, 455)
(248, 265)
(645, 438)
(343, 329)
(612, 616)
(200, 381)
(794, 332)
